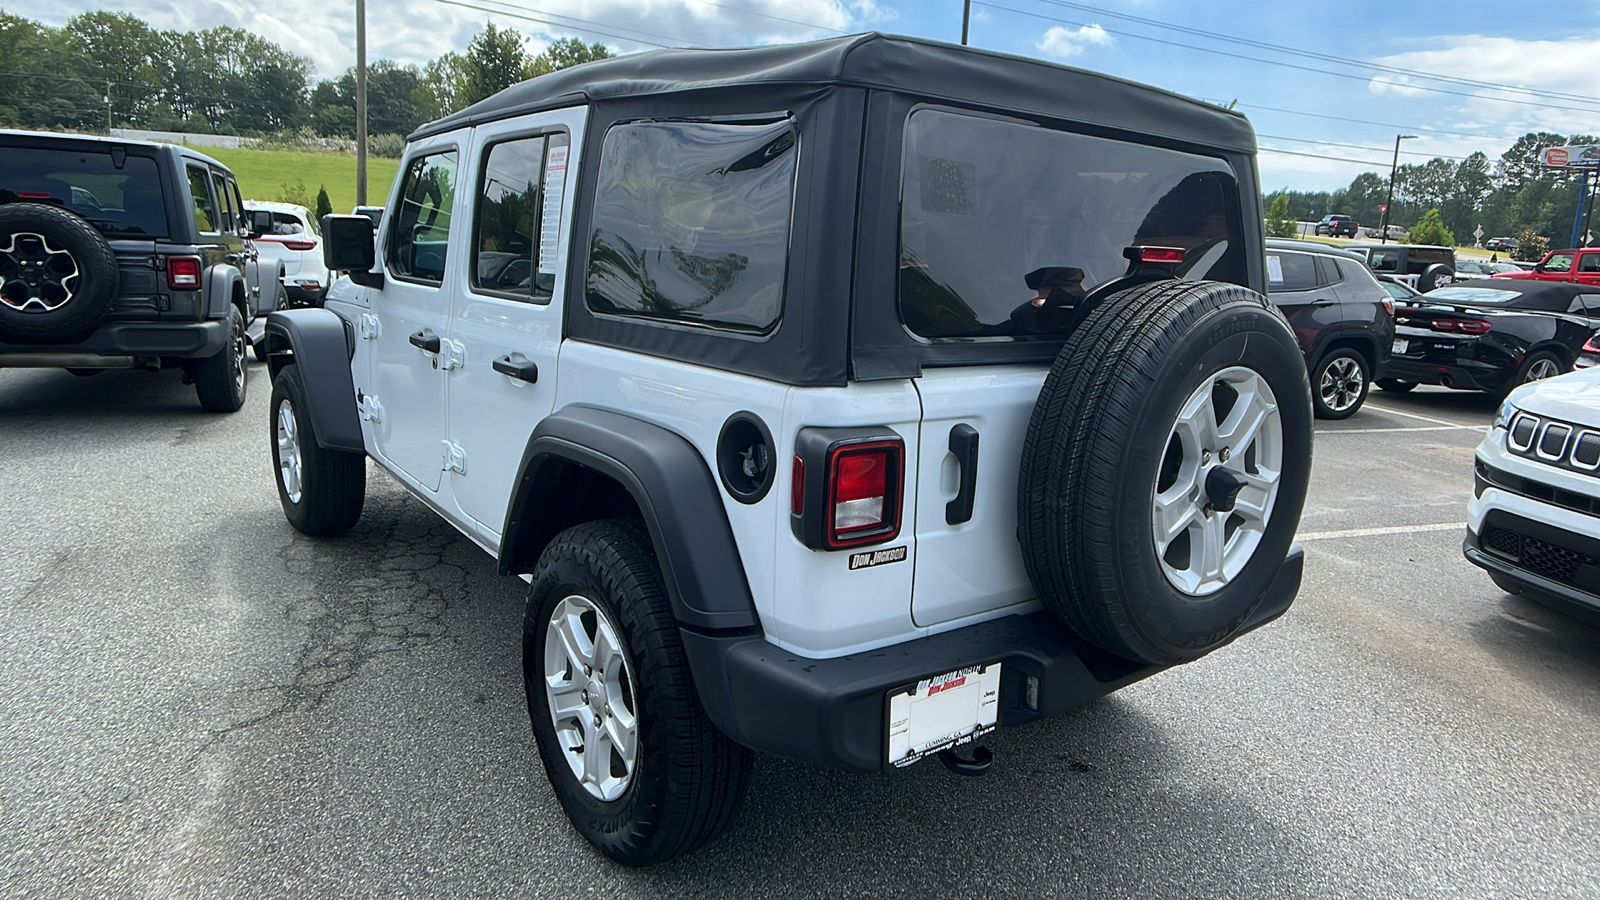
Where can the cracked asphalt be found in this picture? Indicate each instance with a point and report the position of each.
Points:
(195, 701)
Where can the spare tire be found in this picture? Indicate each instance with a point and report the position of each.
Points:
(1165, 467)
(57, 275)
(1435, 276)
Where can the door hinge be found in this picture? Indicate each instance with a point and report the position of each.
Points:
(368, 407)
(370, 327)
(455, 458)
(452, 354)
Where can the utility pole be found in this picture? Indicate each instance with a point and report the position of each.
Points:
(108, 109)
(361, 102)
(1389, 204)
(966, 20)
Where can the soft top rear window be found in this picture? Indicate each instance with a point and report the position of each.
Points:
(691, 223)
(997, 214)
(118, 200)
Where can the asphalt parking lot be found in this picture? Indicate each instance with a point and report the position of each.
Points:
(196, 701)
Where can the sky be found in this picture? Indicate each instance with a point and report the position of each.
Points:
(1328, 86)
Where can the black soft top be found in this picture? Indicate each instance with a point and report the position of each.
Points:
(927, 68)
(1546, 296)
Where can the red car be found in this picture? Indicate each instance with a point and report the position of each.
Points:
(1581, 266)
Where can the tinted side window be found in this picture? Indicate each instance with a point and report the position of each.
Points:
(1328, 272)
(519, 217)
(995, 214)
(1589, 262)
(692, 221)
(1290, 272)
(225, 208)
(205, 209)
(1384, 260)
(420, 236)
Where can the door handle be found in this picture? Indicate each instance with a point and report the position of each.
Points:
(519, 368)
(1323, 301)
(964, 444)
(425, 340)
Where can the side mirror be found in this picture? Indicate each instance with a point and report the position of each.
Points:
(1538, 267)
(375, 213)
(349, 245)
(258, 223)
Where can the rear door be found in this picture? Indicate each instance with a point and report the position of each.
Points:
(412, 312)
(1296, 288)
(506, 312)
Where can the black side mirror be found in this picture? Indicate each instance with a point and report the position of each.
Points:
(375, 213)
(1538, 267)
(349, 245)
(259, 222)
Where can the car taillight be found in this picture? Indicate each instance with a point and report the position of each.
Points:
(797, 486)
(1590, 346)
(1461, 326)
(1388, 305)
(1160, 255)
(300, 245)
(864, 493)
(183, 273)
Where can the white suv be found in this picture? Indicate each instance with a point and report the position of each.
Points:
(705, 345)
(1532, 522)
(284, 231)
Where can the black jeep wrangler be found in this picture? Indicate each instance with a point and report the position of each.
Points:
(125, 254)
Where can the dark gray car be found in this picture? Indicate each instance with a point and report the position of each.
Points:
(1342, 317)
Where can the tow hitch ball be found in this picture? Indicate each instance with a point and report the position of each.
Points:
(979, 764)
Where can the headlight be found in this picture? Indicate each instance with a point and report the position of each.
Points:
(1502, 416)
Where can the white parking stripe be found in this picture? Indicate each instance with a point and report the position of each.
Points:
(1404, 429)
(1411, 415)
(1378, 532)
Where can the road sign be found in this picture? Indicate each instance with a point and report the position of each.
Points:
(1383, 208)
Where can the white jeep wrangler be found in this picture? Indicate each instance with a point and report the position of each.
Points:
(705, 345)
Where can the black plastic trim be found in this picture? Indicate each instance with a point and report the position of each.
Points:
(815, 446)
(318, 340)
(669, 481)
(832, 712)
(728, 457)
(189, 340)
(1471, 549)
(964, 446)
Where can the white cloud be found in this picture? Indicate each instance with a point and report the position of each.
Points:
(415, 31)
(1063, 43)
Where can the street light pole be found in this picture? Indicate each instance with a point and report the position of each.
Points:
(361, 102)
(966, 19)
(1389, 204)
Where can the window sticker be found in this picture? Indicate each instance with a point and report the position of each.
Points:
(555, 182)
(1274, 270)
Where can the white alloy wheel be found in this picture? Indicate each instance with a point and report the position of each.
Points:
(1542, 368)
(1218, 481)
(591, 698)
(289, 461)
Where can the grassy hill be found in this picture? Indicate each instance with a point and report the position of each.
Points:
(275, 175)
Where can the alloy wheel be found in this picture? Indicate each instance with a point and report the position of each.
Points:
(289, 459)
(1541, 369)
(1341, 384)
(36, 276)
(1218, 481)
(591, 698)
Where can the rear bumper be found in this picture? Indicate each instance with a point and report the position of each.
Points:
(1456, 373)
(834, 712)
(191, 340)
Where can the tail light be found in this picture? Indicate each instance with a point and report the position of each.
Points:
(292, 244)
(1589, 346)
(183, 273)
(1160, 254)
(847, 488)
(1461, 326)
(1388, 305)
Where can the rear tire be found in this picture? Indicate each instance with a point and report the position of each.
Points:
(322, 491)
(1395, 385)
(1126, 433)
(220, 379)
(1339, 384)
(657, 778)
(1537, 366)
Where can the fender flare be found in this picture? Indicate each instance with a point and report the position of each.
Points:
(220, 280)
(321, 348)
(1366, 339)
(669, 481)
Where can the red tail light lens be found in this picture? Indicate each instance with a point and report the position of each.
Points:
(1160, 254)
(797, 486)
(1461, 326)
(300, 245)
(183, 273)
(864, 482)
(1388, 305)
(1589, 346)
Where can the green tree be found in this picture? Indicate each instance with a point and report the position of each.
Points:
(1430, 230)
(565, 52)
(1520, 163)
(1531, 246)
(496, 59)
(324, 205)
(392, 101)
(1279, 224)
(116, 51)
(441, 90)
(1469, 188)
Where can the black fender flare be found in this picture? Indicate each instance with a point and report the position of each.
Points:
(220, 281)
(321, 347)
(673, 487)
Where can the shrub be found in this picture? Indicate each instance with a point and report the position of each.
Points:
(324, 205)
(293, 193)
(1431, 230)
(1278, 222)
(1531, 246)
(389, 146)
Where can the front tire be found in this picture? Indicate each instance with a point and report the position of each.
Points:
(640, 770)
(1339, 384)
(322, 491)
(220, 379)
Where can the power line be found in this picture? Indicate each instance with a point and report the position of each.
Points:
(1301, 112)
(1343, 159)
(1281, 137)
(751, 12)
(1312, 54)
(1271, 62)
(596, 31)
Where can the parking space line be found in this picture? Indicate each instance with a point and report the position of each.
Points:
(1412, 415)
(1379, 531)
(1401, 429)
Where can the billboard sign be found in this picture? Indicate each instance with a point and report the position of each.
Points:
(1580, 156)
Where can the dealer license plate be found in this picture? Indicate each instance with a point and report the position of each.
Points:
(942, 712)
(1400, 345)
